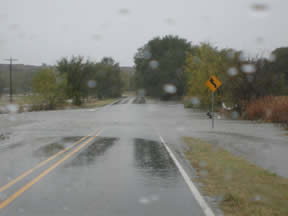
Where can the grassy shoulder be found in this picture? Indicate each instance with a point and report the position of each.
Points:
(35, 103)
(91, 103)
(98, 103)
(244, 189)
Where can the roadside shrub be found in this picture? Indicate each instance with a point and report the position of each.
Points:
(36, 103)
(233, 199)
(269, 109)
(49, 89)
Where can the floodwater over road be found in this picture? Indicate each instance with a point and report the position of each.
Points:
(119, 166)
(118, 173)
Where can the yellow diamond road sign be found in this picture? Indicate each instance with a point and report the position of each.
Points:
(213, 83)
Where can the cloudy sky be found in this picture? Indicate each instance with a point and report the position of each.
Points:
(42, 31)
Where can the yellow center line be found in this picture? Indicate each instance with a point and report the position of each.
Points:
(44, 173)
(17, 179)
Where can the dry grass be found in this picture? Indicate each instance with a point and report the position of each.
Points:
(35, 103)
(269, 109)
(5, 100)
(97, 103)
(244, 188)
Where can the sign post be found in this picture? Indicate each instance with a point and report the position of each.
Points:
(212, 109)
(213, 84)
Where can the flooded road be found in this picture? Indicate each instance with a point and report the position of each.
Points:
(125, 170)
(111, 161)
(120, 175)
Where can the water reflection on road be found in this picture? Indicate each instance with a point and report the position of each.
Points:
(90, 154)
(118, 173)
(52, 148)
(151, 159)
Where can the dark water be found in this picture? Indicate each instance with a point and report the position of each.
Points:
(112, 176)
(96, 149)
(52, 148)
(151, 158)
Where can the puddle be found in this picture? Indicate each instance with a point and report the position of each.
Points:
(151, 157)
(15, 145)
(53, 148)
(49, 150)
(139, 100)
(125, 101)
(118, 102)
(71, 139)
(4, 136)
(98, 148)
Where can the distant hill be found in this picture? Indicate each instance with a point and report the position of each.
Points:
(19, 67)
(127, 69)
(23, 74)
(127, 76)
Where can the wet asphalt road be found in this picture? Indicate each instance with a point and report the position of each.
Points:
(125, 170)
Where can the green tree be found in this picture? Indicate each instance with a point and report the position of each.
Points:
(49, 86)
(108, 79)
(279, 67)
(127, 79)
(1, 86)
(203, 62)
(266, 79)
(159, 62)
(77, 71)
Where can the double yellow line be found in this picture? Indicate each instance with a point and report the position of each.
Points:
(45, 172)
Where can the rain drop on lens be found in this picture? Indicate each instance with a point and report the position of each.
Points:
(12, 108)
(250, 78)
(259, 40)
(14, 26)
(272, 57)
(124, 11)
(232, 71)
(91, 83)
(196, 59)
(203, 173)
(146, 54)
(243, 57)
(154, 64)
(195, 101)
(154, 197)
(248, 68)
(169, 21)
(96, 37)
(235, 115)
(257, 197)
(141, 92)
(59, 80)
(203, 164)
(259, 9)
(144, 200)
(170, 89)
(230, 54)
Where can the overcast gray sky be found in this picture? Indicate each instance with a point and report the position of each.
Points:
(37, 31)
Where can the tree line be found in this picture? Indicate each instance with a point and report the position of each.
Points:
(22, 78)
(76, 78)
(174, 61)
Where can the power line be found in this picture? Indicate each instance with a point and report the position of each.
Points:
(11, 87)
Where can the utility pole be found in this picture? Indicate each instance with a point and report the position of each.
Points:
(11, 87)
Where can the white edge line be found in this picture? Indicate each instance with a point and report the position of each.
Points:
(203, 204)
